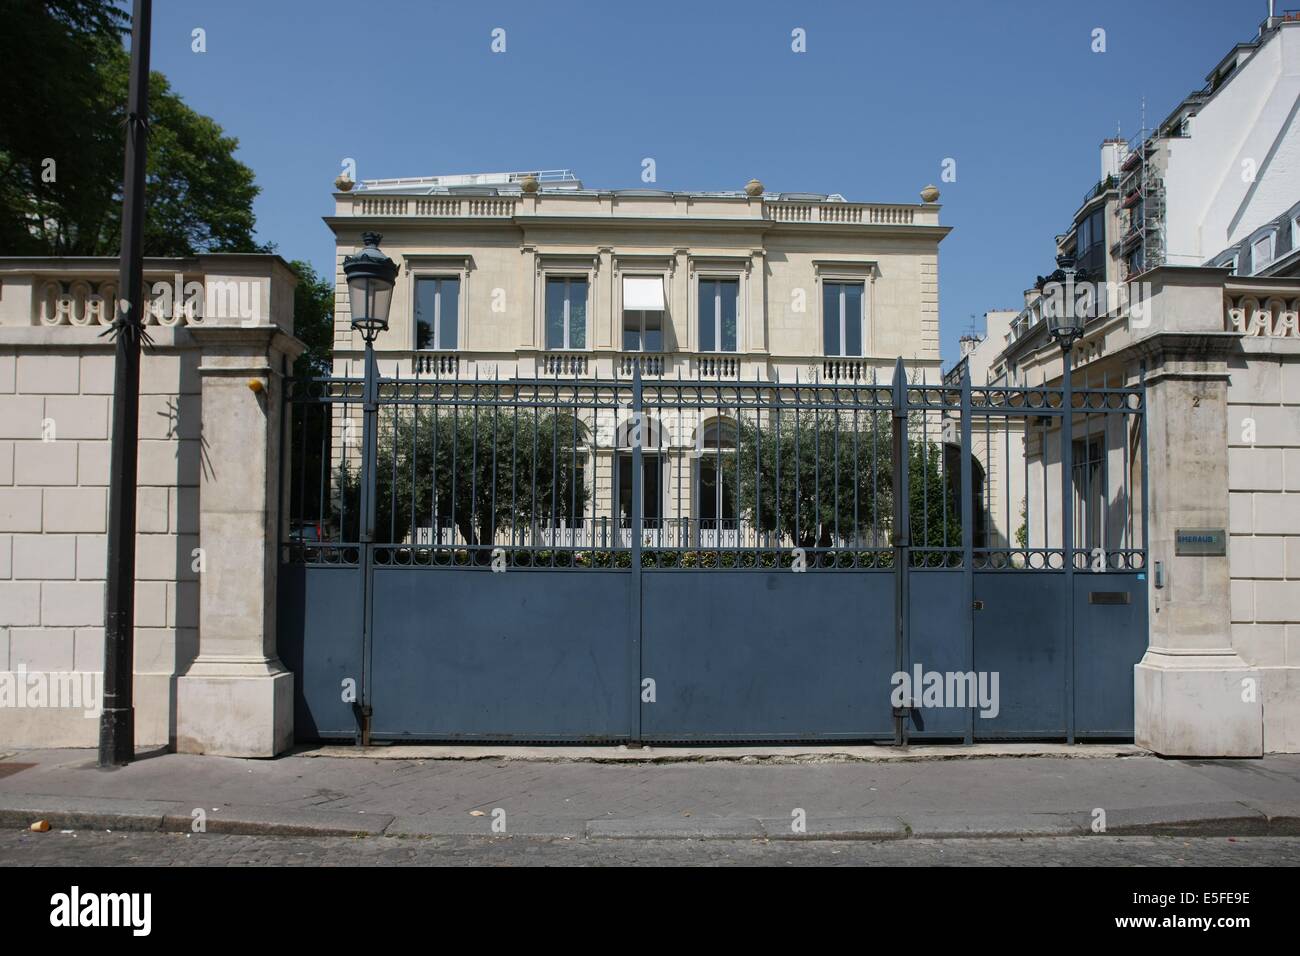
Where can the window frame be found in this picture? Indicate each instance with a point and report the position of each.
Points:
(641, 331)
(438, 277)
(721, 455)
(663, 314)
(567, 277)
(1256, 263)
(840, 280)
(422, 266)
(713, 276)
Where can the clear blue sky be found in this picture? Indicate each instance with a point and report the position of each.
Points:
(712, 91)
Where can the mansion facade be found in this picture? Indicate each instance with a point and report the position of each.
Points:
(530, 277)
(522, 275)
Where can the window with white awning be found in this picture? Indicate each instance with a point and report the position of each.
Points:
(643, 292)
(643, 313)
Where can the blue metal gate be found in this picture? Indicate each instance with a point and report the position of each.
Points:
(652, 559)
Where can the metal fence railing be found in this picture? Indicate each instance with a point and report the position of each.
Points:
(671, 473)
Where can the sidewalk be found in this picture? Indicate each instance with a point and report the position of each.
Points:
(867, 793)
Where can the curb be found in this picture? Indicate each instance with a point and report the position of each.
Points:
(153, 816)
(156, 816)
(919, 753)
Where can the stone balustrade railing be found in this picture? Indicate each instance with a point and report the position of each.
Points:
(871, 214)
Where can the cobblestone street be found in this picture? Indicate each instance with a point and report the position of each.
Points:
(89, 848)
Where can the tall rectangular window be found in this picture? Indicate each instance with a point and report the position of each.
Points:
(437, 311)
(842, 317)
(566, 313)
(719, 308)
(1089, 492)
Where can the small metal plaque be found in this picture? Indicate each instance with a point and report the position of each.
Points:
(1200, 541)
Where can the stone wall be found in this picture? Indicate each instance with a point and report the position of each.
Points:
(1264, 524)
(56, 384)
(55, 412)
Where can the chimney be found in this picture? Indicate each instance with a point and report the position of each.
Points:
(1113, 153)
(966, 344)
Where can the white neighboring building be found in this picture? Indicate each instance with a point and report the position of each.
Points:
(1224, 163)
(1212, 255)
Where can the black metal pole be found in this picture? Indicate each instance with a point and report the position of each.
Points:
(902, 539)
(117, 721)
(366, 522)
(1067, 529)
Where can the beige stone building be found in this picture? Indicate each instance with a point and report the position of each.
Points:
(516, 274)
(532, 276)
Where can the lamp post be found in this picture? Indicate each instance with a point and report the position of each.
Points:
(1065, 325)
(370, 276)
(117, 717)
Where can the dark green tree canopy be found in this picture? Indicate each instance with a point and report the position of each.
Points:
(479, 470)
(63, 83)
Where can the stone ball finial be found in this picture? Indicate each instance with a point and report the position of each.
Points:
(343, 184)
(529, 184)
(753, 188)
(930, 193)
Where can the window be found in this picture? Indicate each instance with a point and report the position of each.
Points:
(651, 494)
(1089, 493)
(719, 306)
(437, 312)
(1091, 242)
(643, 313)
(1136, 261)
(842, 318)
(566, 313)
(717, 478)
(1261, 252)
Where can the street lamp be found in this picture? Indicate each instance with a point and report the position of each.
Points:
(371, 276)
(1064, 321)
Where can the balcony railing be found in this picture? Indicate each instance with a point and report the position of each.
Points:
(717, 366)
(564, 363)
(840, 212)
(480, 207)
(435, 363)
(650, 363)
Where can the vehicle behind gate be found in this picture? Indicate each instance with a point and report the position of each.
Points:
(653, 559)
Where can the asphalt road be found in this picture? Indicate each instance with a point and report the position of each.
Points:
(93, 848)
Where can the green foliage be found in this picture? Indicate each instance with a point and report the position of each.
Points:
(313, 320)
(64, 88)
(836, 474)
(935, 518)
(484, 474)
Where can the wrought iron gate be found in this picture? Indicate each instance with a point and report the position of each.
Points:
(667, 560)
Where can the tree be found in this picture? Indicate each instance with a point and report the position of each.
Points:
(64, 86)
(313, 320)
(811, 478)
(474, 470)
(836, 476)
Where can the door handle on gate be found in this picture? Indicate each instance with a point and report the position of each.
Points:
(977, 605)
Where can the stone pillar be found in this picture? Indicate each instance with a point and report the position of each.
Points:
(236, 699)
(1194, 696)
